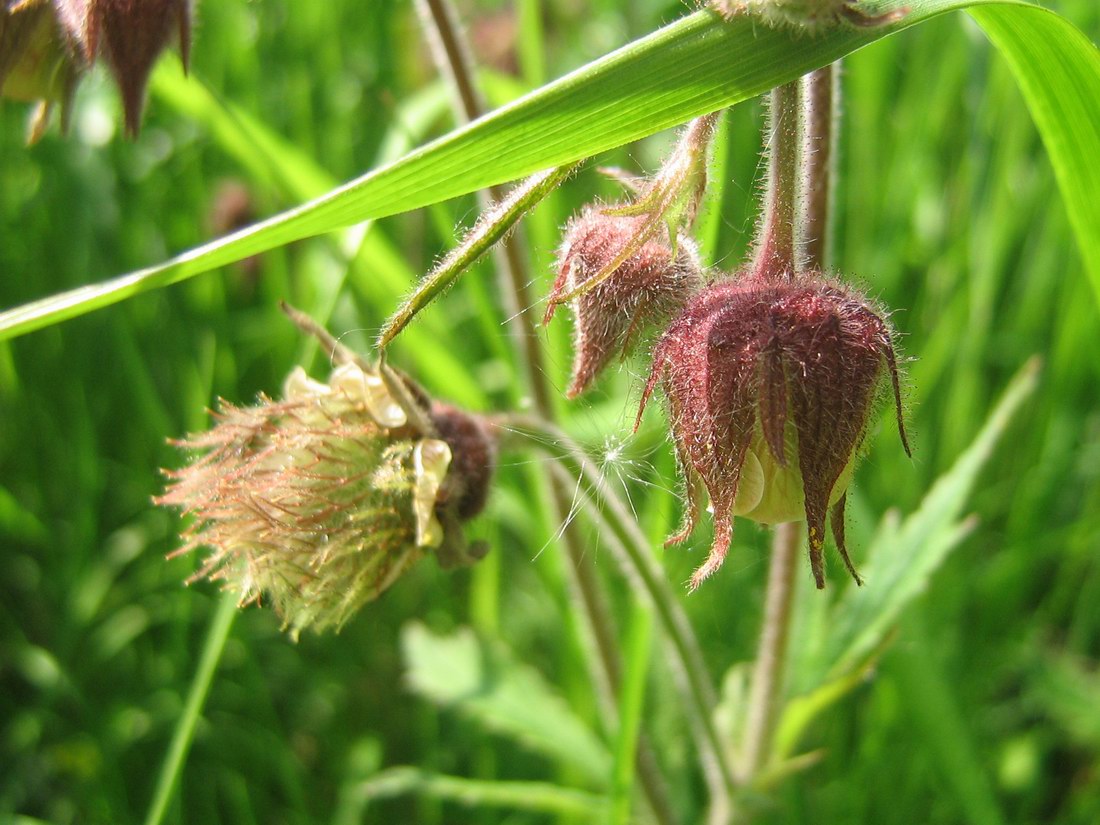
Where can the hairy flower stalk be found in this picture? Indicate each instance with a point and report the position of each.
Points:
(628, 268)
(321, 500)
(771, 376)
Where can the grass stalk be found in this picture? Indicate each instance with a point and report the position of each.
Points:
(184, 733)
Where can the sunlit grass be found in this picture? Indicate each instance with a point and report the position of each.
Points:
(948, 213)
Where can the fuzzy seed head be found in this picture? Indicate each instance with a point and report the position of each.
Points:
(770, 384)
(646, 290)
(321, 500)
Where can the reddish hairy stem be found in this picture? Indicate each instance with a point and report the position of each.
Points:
(775, 247)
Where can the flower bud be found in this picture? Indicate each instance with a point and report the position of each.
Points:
(322, 499)
(770, 385)
(625, 267)
(37, 60)
(648, 288)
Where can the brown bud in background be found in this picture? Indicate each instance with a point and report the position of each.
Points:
(648, 288)
(770, 384)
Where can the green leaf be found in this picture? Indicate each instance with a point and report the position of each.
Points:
(487, 684)
(1058, 70)
(693, 66)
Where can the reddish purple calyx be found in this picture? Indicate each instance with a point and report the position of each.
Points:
(770, 385)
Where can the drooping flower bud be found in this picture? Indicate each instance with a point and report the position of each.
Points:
(130, 34)
(38, 62)
(770, 384)
(624, 268)
(322, 499)
(47, 45)
(808, 14)
(646, 289)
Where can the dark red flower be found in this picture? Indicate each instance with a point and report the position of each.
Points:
(770, 385)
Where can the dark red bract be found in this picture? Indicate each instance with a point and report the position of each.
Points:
(647, 289)
(762, 371)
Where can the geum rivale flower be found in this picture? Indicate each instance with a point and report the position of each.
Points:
(771, 382)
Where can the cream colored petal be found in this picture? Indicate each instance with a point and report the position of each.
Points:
(372, 391)
(299, 386)
(751, 487)
(431, 458)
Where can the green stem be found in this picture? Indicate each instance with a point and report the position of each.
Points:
(767, 679)
(632, 551)
(170, 770)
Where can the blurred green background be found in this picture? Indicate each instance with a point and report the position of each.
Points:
(987, 707)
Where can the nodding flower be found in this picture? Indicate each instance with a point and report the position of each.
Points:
(770, 382)
(627, 268)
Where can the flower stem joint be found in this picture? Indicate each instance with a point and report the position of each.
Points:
(770, 382)
(322, 499)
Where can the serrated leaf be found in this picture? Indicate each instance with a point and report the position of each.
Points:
(486, 683)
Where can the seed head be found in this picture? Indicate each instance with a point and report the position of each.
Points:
(645, 290)
(322, 499)
(770, 385)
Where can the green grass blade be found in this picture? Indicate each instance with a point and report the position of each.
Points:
(1058, 71)
(693, 66)
(631, 708)
(212, 649)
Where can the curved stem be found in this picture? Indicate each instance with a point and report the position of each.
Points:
(632, 551)
(777, 235)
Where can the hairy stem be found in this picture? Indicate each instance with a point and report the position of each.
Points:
(812, 215)
(776, 243)
(632, 551)
(767, 678)
(453, 55)
(820, 95)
